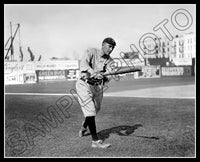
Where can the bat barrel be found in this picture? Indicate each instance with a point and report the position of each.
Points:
(123, 70)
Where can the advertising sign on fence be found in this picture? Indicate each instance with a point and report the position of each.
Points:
(176, 71)
(57, 65)
(71, 74)
(14, 78)
(30, 78)
(172, 71)
(149, 72)
(50, 74)
(10, 67)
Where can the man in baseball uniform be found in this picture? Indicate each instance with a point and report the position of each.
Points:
(93, 63)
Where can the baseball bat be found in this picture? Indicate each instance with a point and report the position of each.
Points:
(123, 70)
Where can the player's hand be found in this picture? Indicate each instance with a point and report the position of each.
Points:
(97, 75)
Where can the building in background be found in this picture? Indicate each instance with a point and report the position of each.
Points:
(183, 49)
(180, 51)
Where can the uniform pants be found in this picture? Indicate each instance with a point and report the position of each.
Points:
(89, 97)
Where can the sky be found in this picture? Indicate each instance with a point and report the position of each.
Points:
(67, 30)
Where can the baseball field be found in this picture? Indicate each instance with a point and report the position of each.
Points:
(140, 118)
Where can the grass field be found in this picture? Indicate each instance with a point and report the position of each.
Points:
(135, 127)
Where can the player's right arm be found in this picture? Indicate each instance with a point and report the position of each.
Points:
(86, 62)
(86, 65)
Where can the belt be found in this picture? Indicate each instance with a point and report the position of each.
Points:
(92, 82)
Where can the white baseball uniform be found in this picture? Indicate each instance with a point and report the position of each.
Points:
(90, 96)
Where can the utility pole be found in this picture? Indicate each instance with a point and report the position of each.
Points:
(11, 44)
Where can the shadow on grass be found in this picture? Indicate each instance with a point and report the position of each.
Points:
(123, 130)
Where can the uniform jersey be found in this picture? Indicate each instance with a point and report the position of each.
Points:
(93, 61)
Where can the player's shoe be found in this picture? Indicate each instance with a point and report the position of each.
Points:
(83, 131)
(100, 144)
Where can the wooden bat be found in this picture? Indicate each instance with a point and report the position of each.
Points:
(123, 70)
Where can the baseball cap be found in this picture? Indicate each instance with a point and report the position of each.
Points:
(110, 41)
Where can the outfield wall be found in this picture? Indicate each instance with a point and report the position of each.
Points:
(32, 72)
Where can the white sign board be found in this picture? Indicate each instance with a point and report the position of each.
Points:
(57, 65)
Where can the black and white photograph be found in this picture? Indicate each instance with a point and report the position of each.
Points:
(99, 80)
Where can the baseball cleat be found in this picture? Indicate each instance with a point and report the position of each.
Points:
(100, 144)
(82, 132)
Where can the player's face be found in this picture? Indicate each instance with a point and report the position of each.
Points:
(107, 48)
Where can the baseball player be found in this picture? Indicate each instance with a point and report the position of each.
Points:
(93, 63)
